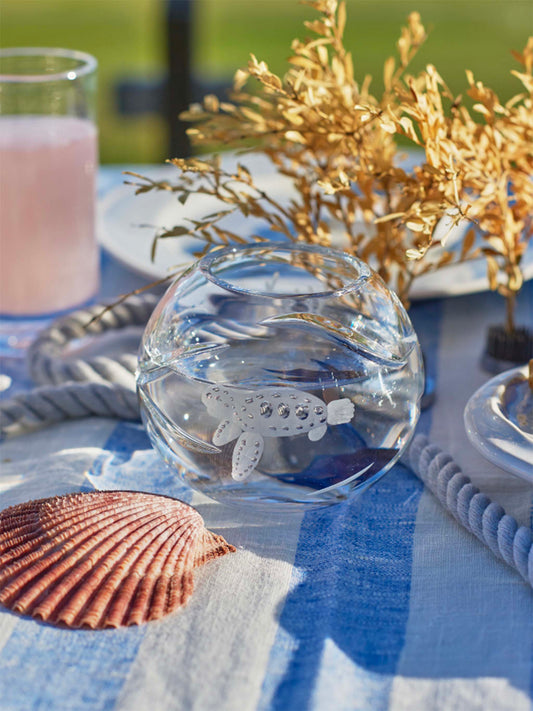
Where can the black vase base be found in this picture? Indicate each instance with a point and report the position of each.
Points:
(504, 350)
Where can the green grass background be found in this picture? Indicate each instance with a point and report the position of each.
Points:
(127, 37)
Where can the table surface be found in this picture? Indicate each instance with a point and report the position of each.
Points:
(383, 602)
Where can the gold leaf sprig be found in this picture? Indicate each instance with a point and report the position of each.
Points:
(489, 161)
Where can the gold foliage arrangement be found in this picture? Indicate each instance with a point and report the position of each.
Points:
(490, 160)
(336, 141)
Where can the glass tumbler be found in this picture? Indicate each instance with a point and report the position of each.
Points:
(49, 258)
(280, 376)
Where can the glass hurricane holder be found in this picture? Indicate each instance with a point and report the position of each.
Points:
(48, 162)
(280, 376)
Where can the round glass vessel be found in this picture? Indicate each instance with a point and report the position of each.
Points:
(273, 375)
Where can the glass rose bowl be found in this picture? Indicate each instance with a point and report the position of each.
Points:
(280, 376)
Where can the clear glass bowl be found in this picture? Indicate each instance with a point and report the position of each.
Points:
(272, 375)
(499, 421)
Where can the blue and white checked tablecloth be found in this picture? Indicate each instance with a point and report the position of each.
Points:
(384, 602)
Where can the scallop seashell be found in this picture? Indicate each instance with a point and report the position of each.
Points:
(102, 559)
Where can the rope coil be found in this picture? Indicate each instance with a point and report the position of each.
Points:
(48, 366)
(74, 387)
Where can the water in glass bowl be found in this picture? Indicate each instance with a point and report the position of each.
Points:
(272, 380)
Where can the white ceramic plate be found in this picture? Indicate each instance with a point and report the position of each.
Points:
(127, 224)
(493, 429)
(464, 278)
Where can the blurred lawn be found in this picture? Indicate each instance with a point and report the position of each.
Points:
(127, 37)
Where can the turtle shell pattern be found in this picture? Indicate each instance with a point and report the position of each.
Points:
(271, 412)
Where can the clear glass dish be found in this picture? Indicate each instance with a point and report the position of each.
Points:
(499, 422)
(273, 375)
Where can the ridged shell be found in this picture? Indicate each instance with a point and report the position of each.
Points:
(102, 559)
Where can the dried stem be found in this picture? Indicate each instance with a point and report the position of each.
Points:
(510, 306)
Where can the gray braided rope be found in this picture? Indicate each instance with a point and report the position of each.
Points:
(73, 387)
(471, 508)
(46, 359)
(52, 404)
